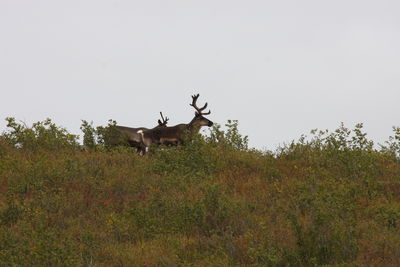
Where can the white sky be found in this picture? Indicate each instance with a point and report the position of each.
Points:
(281, 68)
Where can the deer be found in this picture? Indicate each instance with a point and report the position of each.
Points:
(131, 135)
(178, 134)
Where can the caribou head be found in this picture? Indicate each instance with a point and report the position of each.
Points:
(199, 120)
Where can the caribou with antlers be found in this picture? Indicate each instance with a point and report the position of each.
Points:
(131, 135)
(176, 135)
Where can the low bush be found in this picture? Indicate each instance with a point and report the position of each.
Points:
(331, 199)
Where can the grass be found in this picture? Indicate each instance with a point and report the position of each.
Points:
(331, 199)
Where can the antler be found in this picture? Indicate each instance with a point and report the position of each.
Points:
(199, 110)
(164, 121)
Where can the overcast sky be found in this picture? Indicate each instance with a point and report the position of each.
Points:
(281, 68)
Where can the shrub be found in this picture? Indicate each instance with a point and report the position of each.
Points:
(103, 137)
(42, 135)
(89, 134)
(230, 138)
(392, 146)
(328, 199)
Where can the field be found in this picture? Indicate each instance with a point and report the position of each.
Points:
(328, 199)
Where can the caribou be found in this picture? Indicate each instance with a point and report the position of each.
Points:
(178, 134)
(132, 137)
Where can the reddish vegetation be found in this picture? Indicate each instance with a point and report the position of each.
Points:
(210, 203)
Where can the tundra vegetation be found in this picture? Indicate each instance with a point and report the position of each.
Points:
(327, 199)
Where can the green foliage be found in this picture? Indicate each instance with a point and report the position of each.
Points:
(10, 214)
(195, 158)
(330, 199)
(42, 135)
(230, 138)
(324, 222)
(388, 214)
(101, 136)
(339, 141)
(343, 148)
(392, 146)
(106, 134)
(89, 134)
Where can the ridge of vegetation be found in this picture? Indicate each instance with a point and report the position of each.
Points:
(330, 199)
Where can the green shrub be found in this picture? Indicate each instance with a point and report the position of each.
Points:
(89, 134)
(42, 135)
(101, 136)
(196, 158)
(330, 199)
(392, 146)
(324, 222)
(231, 138)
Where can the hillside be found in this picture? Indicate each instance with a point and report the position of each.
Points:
(329, 199)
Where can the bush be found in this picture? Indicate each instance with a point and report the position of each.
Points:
(101, 136)
(42, 135)
(392, 146)
(231, 138)
(330, 199)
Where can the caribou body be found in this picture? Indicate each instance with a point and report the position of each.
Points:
(176, 135)
(132, 137)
